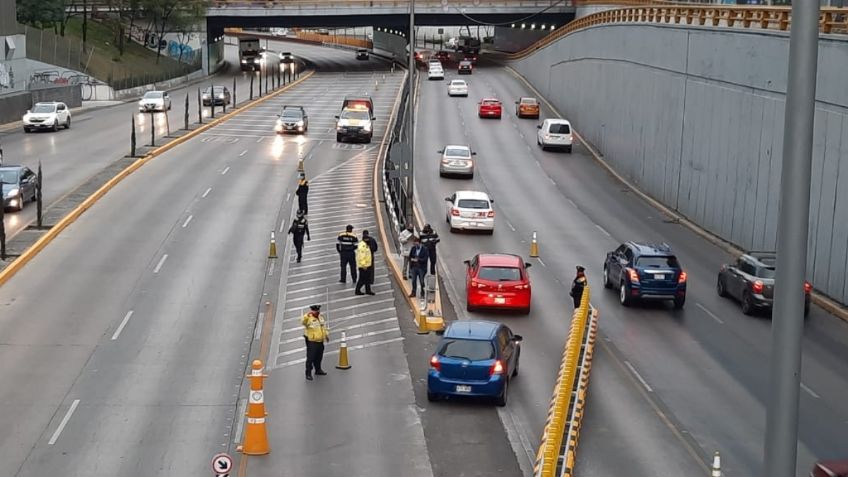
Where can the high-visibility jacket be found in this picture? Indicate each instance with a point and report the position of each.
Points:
(346, 242)
(363, 255)
(315, 328)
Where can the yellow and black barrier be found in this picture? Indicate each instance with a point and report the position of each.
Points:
(558, 448)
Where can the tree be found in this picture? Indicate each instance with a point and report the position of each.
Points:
(166, 12)
(40, 13)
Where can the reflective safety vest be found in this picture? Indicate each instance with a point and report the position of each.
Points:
(315, 328)
(363, 255)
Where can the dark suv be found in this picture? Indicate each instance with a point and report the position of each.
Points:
(751, 281)
(645, 272)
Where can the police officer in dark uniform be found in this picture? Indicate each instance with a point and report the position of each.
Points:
(301, 192)
(578, 285)
(346, 246)
(298, 229)
(429, 239)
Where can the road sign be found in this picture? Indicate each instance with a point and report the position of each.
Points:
(222, 464)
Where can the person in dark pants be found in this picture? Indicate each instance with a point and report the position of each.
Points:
(315, 334)
(418, 265)
(301, 192)
(578, 285)
(365, 262)
(429, 239)
(346, 246)
(298, 229)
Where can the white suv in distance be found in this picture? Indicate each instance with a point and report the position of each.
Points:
(456, 160)
(470, 210)
(154, 101)
(555, 134)
(47, 116)
(436, 72)
(457, 87)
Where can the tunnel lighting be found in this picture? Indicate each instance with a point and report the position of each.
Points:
(523, 25)
(542, 27)
(532, 26)
(553, 26)
(513, 25)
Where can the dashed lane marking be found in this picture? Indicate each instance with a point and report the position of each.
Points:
(349, 348)
(225, 170)
(161, 262)
(243, 153)
(810, 391)
(187, 220)
(64, 422)
(638, 376)
(603, 231)
(708, 312)
(122, 325)
(206, 193)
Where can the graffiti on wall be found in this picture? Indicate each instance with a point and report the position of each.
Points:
(179, 50)
(7, 77)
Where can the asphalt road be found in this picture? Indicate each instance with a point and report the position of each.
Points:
(125, 340)
(669, 387)
(99, 137)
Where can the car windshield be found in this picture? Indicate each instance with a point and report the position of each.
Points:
(765, 272)
(292, 114)
(528, 101)
(500, 274)
(559, 129)
(353, 114)
(473, 204)
(472, 350)
(457, 83)
(44, 108)
(9, 177)
(153, 95)
(491, 102)
(658, 262)
(218, 90)
(457, 152)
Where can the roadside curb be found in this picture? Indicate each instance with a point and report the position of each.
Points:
(828, 304)
(17, 264)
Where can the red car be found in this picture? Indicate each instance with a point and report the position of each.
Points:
(830, 469)
(497, 280)
(490, 108)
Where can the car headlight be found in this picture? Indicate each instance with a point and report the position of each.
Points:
(221, 96)
(243, 62)
(339, 127)
(300, 123)
(205, 96)
(14, 192)
(367, 127)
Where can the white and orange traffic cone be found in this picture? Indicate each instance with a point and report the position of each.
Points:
(344, 363)
(255, 433)
(534, 246)
(272, 251)
(716, 470)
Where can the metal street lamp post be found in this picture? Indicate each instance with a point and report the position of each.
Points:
(410, 111)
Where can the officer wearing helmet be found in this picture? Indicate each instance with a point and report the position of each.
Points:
(429, 239)
(346, 246)
(298, 229)
(578, 285)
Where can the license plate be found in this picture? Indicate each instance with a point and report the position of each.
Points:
(481, 214)
(500, 300)
(659, 276)
(463, 389)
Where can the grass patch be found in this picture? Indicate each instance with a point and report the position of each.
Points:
(137, 66)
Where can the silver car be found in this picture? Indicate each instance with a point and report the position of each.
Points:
(457, 160)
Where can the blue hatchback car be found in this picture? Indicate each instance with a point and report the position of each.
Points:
(643, 271)
(474, 358)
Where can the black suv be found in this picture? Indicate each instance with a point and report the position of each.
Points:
(645, 271)
(751, 281)
(464, 67)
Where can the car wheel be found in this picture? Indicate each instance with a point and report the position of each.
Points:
(623, 296)
(747, 304)
(525, 311)
(68, 123)
(490, 232)
(679, 302)
(501, 400)
(806, 310)
(607, 282)
(517, 360)
(26, 130)
(470, 307)
(55, 125)
(568, 149)
(722, 292)
(339, 138)
(432, 396)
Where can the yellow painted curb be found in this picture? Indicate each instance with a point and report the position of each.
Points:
(74, 214)
(830, 305)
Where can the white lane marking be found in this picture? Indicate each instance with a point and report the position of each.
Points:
(638, 376)
(712, 315)
(206, 193)
(161, 262)
(349, 348)
(349, 338)
(259, 321)
(510, 226)
(271, 270)
(122, 325)
(603, 230)
(64, 422)
(282, 224)
(810, 391)
(288, 196)
(552, 181)
(243, 153)
(225, 170)
(543, 263)
(347, 328)
(185, 224)
(242, 407)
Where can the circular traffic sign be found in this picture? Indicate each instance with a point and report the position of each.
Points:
(222, 464)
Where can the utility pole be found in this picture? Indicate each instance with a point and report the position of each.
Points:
(781, 446)
(410, 111)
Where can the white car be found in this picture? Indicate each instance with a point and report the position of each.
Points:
(555, 134)
(154, 101)
(470, 210)
(458, 88)
(457, 161)
(47, 116)
(436, 72)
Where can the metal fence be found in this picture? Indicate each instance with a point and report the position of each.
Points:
(397, 167)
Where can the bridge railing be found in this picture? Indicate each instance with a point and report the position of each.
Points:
(454, 4)
(831, 20)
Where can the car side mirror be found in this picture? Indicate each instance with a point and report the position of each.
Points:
(336, 116)
(448, 199)
(473, 153)
(441, 151)
(491, 200)
(516, 102)
(527, 265)
(373, 118)
(28, 111)
(517, 338)
(467, 262)
(538, 126)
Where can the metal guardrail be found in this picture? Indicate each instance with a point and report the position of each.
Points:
(558, 448)
(831, 19)
(306, 4)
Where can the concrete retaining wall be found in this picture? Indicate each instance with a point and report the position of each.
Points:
(694, 116)
(390, 45)
(14, 105)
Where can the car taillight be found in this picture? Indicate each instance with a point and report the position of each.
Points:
(476, 284)
(435, 364)
(807, 288)
(523, 286)
(757, 287)
(454, 211)
(682, 277)
(633, 275)
(497, 368)
(490, 214)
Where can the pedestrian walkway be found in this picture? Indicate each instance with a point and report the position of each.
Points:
(361, 421)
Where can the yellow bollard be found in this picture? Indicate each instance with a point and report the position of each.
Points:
(422, 324)
(300, 165)
(255, 433)
(716, 470)
(534, 246)
(343, 358)
(272, 252)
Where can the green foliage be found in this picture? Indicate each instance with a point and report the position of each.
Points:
(40, 13)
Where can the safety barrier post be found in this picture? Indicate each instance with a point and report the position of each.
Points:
(256, 434)
(272, 252)
(716, 469)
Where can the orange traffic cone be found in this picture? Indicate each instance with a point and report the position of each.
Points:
(344, 362)
(255, 434)
(272, 250)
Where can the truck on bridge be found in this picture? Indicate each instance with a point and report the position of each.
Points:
(249, 53)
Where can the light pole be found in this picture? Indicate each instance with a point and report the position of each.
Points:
(410, 104)
(781, 446)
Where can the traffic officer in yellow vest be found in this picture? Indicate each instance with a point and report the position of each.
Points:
(365, 262)
(315, 333)
(577, 286)
(346, 246)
